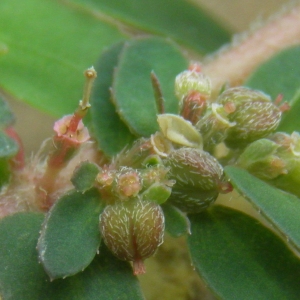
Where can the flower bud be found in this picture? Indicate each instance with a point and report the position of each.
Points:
(133, 230)
(193, 106)
(261, 159)
(127, 183)
(252, 111)
(199, 179)
(135, 155)
(192, 80)
(275, 160)
(288, 152)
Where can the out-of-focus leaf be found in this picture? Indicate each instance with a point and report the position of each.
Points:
(8, 148)
(43, 56)
(70, 236)
(281, 75)
(132, 89)
(241, 259)
(290, 119)
(278, 75)
(180, 20)
(84, 176)
(22, 277)
(280, 208)
(49, 44)
(111, 133)
(6, 116)
(177, 223)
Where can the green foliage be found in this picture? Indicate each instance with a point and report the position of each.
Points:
(280, 208)
(241, 259)
(70, 236)
(132, 90)
(48, 52)
(84, 176)
(47, 55)
(8, 148)
(6, 116)
(177, 223)
(42, 66)
(23, 277)
(109, 130)
(193, 27)
(281, 75)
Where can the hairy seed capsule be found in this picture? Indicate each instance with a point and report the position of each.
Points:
(254, 114)
(199, 179)
(133, 230)
(254, 120)
(192, 80)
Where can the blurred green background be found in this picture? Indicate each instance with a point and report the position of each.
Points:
(238, 15)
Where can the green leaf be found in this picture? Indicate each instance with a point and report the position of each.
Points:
(132, 89)
(70, 236)
(45, 54)
(111, 133)
(48, 50)
(281, 75)
(177, 19)
(8, 147)
(177, 223)
(240, 259)
(6, 116)
(4, 172)
(84, 176)
(280, 208)
(278, 75)
(290, 119)
(22, 277)
(20, 273)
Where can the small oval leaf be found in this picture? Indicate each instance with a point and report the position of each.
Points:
(111, 133)
(132, 88)
(6, 116)
(70, 236)
(280, 208)
(84, 176)
(241, 259)
(177, 223)
(8, 146)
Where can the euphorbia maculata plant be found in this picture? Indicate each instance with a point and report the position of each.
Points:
(99, 194)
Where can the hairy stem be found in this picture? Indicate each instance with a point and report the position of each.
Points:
(234, 63)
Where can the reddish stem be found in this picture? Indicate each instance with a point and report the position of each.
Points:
(234, 64)
(138, 267)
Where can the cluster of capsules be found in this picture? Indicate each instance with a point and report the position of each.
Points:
(177, 165)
